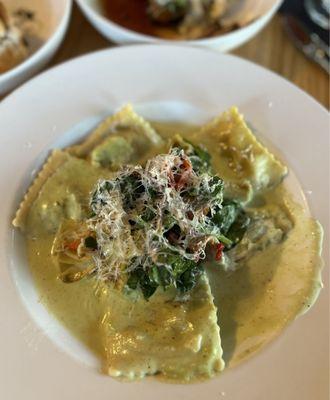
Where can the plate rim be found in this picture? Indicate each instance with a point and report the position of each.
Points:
(81, 58)
(26, 85)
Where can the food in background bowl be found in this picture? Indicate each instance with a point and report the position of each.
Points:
(171, 19)
(193, 18)
(41, 25)
(13, 48)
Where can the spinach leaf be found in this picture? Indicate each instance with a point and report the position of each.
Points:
(189, 278)
(147, 289)
(203, 155)
(239, 227)
(225, 216)
(181, 273)
(200, 158)
(148, 215)
(211, 190)
(166, 277)
(179, 265)
(232, 221)
(140, 278)
(216, 185)
(133, 280)
(132, 188)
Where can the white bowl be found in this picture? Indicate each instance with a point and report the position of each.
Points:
(258, 12)
(47, 32)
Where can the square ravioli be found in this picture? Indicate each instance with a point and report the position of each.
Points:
(176, 339)
(120, 139)
(241, 160)
(57, 194)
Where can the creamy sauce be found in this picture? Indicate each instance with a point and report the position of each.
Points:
(254, 303)
(258, 301)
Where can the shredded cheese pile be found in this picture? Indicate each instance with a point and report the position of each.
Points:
(144, 215)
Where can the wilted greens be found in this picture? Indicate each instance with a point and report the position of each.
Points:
(155, 225)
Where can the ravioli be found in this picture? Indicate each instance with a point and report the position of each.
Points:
(179, 340)
(119, 139)
(59, 192)
(241, 160)
(55, 161)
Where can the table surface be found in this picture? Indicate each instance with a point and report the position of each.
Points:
(271, 48)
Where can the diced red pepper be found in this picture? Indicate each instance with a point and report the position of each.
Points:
(73, 246)
(183, 179)
(186, 165)
(179, 179)
(218, 255)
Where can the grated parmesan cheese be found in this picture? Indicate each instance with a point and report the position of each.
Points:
(142, 216)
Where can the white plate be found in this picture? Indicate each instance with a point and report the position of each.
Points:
(252, 15)
(56, 108)
(44, 34)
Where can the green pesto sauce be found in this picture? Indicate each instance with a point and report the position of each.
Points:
(254, 304)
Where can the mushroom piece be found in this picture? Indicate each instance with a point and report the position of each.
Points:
(202, 18)
(13, 49)
(194, 18)
(167, 11)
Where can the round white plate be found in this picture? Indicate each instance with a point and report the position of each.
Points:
(61, 104)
